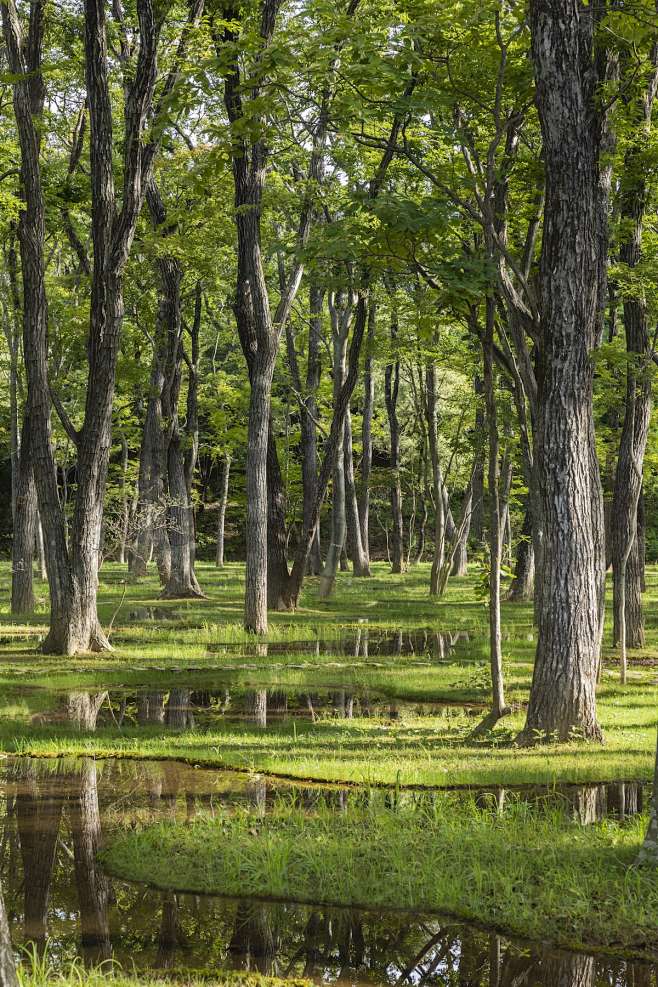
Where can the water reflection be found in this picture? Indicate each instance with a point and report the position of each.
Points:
(57, 813)
(364, 643)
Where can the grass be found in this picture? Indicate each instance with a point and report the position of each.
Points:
(204, 646)
(527, 872)
(38, 971)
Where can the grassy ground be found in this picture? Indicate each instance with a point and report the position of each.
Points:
(530, 873)
(536, 875)
(201, 644)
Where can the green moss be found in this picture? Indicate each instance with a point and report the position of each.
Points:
(532, 873)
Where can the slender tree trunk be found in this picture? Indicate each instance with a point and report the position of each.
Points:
(366, 432)
(562, 697)
(43, 572)
(628, 621)
(309, 416)
(391, 392)
(356, 550)
(477, 521)
(221, 514)
(340, 308)
(437, 575)
(125, 502)
(460, 552)
(25, 523)
(498, 706)
(522, 586)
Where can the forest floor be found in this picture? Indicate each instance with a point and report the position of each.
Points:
(427, 660)
(380, 686)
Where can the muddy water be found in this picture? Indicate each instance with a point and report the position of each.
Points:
(54, 815)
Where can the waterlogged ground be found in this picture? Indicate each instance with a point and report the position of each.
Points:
(58, 813)
(370, 699)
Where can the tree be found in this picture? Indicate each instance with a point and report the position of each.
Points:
(562, 697)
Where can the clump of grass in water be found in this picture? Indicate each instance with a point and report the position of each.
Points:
(531, 872)
(39, 970)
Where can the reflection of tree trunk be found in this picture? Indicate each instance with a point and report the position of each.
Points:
(93, 886)
(649, 851)
(252, 944)
(38, 816)
(8, 975)
(178, 709)
(168, 935)
(83, 708)
(150, 707)
(567, 969)
(256, 703)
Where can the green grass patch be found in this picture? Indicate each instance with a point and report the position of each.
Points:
(528, 872)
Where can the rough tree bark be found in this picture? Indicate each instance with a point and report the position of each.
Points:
(562, 697)
(74, 624)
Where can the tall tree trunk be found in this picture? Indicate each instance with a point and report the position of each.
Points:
(628, 622)
(355, 548)
(391, 392)
(180, 446)
(309, 416)
(125, 502)
(437, 574)
(25, 523)
(74, 624)
(150, 484)
(278, 575)
(562, 696)
(477, 521)
(366, 431)
(522, 586)
(340, 307)
(460, 550)
(498, 705)
(221, 514)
